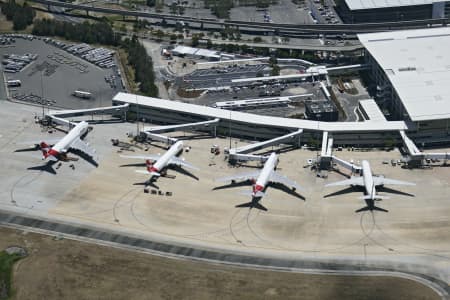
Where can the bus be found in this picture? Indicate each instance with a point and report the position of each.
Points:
(13, 83)
(82, 94)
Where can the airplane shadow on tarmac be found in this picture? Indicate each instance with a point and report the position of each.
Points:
(254, 203)
(370, 203)
(47, 167)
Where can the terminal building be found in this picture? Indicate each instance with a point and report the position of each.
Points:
(321, 111)
(411, 70)
(373, 11)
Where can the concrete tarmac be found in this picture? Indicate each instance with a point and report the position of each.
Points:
(414, 235)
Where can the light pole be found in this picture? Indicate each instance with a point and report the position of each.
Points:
(229, 129)
(137, 116)
(42, 96)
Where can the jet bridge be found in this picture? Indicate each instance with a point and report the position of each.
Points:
(154, 133)
(60, 116)
(241, 153)
(325, 159)
(346, 165)
(189, 126)
(416, 157)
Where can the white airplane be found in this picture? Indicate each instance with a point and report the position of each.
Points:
(71, 141)
(260, 181)
(369, 182)
(157, 163)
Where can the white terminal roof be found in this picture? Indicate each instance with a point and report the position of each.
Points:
(196, 51)
(248, 118)
(371, 4)
(417, 64)
(372, 110)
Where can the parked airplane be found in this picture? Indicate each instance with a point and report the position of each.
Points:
(369, 182)
(261, 180)
(72, 141)
(158, 163)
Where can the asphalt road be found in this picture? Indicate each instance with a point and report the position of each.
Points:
(115, 239)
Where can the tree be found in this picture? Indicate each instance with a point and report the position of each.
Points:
(275, 70)
(173, 8)
(159, 34)
(21, 16)
(209, 44)
(151, 3)
(195, 40)
(19, 21)
(273, 60)
(257, 39)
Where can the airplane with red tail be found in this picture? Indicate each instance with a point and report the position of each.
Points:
(158, 163)
(71, 142)
(260, 180)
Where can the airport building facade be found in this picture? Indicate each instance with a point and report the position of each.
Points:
(411, 71)
(254, 127)
(373, 11)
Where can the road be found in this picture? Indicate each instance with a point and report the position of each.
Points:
(114, 239)
(281, 28)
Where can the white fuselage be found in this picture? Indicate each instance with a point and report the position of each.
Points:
(64, 144)
(266, 172)
(163, 161)
(368, 178)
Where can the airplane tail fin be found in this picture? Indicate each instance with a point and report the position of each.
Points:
(151, 169)
(45, 149)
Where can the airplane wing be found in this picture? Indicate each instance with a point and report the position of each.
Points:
(277, 177)
(380, 180)
(49, 141)
(351, 181)
(144, 157)
(83, 147)
(180, 162)
(239, 177)
(142, 171)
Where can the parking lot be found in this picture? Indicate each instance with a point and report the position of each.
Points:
(284, 12)
(222, 76)
(54, 76)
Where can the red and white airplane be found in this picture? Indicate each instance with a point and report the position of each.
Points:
(261, 180)
(158, 163)
(71, 141)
